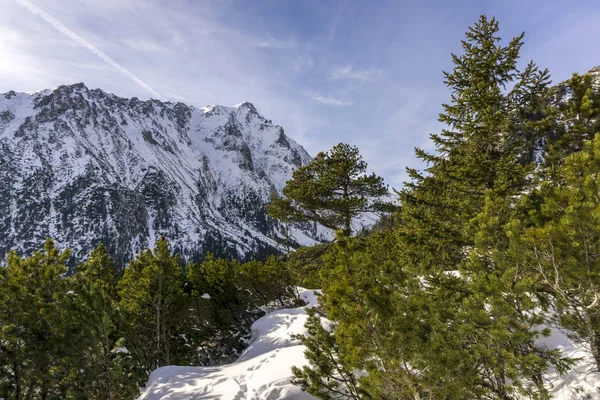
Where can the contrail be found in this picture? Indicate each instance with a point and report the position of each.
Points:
(61, 28)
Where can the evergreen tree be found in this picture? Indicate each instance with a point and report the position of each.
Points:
(270, 280)
(366, 294)
(108, 363)
(466, 334)
(218, 279)
(532, 115)
(152, 298)
(37, 342)
(232, 308)
(331, 190)
(455, 217)
(101, 273)
(501, 309)
(442, 307)
(577, 116)
(328, 377)
(565, 243)
(481, 150)
(201, 329)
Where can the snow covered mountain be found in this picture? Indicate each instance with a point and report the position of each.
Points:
(83, 166)
(563, 91)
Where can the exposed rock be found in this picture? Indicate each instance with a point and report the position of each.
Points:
(84, 166)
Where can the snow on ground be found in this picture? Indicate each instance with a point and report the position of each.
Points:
(262, 372)
(581, 383)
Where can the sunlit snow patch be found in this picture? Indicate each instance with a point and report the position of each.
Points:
(263, 371)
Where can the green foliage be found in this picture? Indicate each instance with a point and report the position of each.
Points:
(480, 150)
(271, 281)
(151, 297)
(565, 243)
(446, 304)
(464, 334)
(331, 190)
(231, 295)
(218, 278)
(40, 329)
(100, 273)
(577, 117)
(305, 263)
(98, 333)
(375, 306)
(109, 365)
(328, 377)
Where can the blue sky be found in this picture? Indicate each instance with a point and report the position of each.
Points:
(364, 72)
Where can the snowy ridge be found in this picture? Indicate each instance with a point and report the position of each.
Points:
(262, 372)
(84, 166)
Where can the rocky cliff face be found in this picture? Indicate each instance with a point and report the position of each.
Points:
(84, 166)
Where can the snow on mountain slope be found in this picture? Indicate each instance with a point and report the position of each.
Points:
(262, 372)
(595, 72)
(84, 166)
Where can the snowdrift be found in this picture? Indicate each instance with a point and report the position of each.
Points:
(263, 370)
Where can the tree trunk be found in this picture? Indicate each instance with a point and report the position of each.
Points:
(158, 321)
(17, 374)
(347, 231)
(30, 391)
(593, 337)
(166, 348)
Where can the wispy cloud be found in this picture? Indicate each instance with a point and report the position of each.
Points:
(63, 29)
(273, 43)
(331, 101)
(348, 72)
(302, 62)
(308, 66)
(333, 26)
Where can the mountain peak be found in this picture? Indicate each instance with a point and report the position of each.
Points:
(246, 104)
(75, 86)
(66, 89)
(86, 167)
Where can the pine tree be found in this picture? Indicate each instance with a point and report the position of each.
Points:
(532, 115)
(101, 273)
(482, 148)
(565, 243)
(328, 377)
(376, 309)
(270, 280)
(466, 334)
(151, 295)
(232, 308)
(501, 309)
(454, 217)
(577, 116)
(331, 190)
(442, 307)
(108, 364)
(36, 343)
